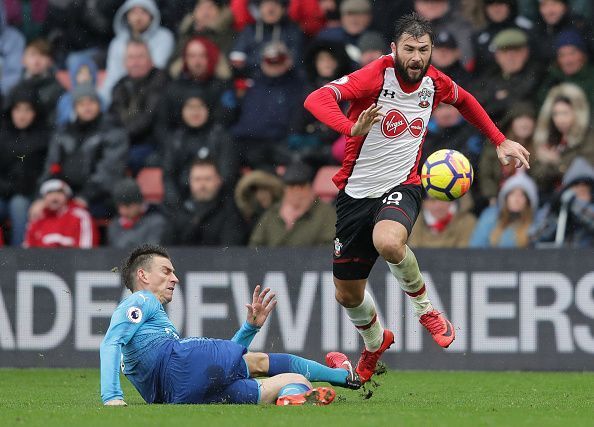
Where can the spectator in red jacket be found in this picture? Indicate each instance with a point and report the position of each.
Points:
(62, 223)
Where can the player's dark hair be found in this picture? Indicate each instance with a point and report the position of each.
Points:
(140, 257)
(207, 161)
(415, 25)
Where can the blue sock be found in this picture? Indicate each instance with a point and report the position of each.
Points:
(291, 389)
(280, 363)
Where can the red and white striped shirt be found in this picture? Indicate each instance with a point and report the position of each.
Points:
(389, 154)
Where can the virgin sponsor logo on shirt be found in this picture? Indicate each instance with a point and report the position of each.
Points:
(395, 124)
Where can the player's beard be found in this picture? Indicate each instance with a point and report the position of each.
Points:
(402, 70)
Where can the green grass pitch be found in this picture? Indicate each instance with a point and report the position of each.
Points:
(70, 397)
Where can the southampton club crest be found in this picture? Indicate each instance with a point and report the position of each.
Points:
(337, 247)
(424, 97)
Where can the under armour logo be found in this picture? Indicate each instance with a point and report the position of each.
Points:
(389, 93)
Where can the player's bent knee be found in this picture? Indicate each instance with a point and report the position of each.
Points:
(347, 299)
(390, 241)
(258, 363)
(349, 293)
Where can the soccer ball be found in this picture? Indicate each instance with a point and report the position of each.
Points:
(446, 175)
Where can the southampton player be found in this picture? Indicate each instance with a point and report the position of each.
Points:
(167, 369)
(392, 99)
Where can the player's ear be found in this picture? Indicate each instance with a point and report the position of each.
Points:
(141, 274)
(393, 47)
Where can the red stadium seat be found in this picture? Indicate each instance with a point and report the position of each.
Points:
(323, 185)
(150, 181)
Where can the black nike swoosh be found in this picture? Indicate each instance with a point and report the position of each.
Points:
(448, 332)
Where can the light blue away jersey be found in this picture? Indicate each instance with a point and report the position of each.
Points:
(140, 331)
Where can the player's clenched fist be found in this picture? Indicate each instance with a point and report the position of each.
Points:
(366, 120)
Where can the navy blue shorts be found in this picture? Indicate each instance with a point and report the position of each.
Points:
(203, 370)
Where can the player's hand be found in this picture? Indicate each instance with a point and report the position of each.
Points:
(260, 307)
(115, 402)
(509, 148)
(366, 120)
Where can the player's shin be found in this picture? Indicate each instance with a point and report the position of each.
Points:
(365, 319)
(411, 281)
(280, 363)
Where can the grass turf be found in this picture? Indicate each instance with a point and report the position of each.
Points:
(63, 397)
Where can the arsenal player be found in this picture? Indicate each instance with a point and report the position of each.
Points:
(392, 99)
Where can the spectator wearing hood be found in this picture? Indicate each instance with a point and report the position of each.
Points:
(208, 217)
(62, 222)
(516, 78)
(571, 66)
(135, 102)
(82, 70)
(272, 25)
(29, 18)
(269, 110)
(39, 76)
(255, 193)
(506, 224)
(568, 220)
(142, 19)
(444, 17)
(203, 69)
(563, 132)
(442, 225)
(12, 46)
(386, 12)
(554, 18)
(90, 152)
(446, 55)
(198, 137)
(500, 15)
(300, 218)
(355, 20)
(518, 124)
(137, 222)
(23, 139)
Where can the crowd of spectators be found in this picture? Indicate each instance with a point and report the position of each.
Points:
(211, 92)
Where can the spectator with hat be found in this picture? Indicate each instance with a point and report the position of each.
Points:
(62, 223)
(300, 218)
(446, 58)
(555, 17)
(500, 15)
(209, 216)
(506, 225)
(200, 136)
(516, 78)
(23, 138)
(372, 45)
(355, 19)
(272, 26)
(137, 222)
(571, 66)
(270, 110)
(90, 152)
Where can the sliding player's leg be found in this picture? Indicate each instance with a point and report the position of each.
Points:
(271, 364)
(293, 389)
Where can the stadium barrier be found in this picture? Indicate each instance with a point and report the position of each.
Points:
(512, 310)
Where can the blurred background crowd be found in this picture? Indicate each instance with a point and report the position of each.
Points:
(181, 122)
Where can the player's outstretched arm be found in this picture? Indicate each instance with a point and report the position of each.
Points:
(261, 307)
(257, 312)
(509, 148)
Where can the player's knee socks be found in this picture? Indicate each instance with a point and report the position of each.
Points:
(411, 281)
(281, 363)
(364, 317)
(293, 388)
